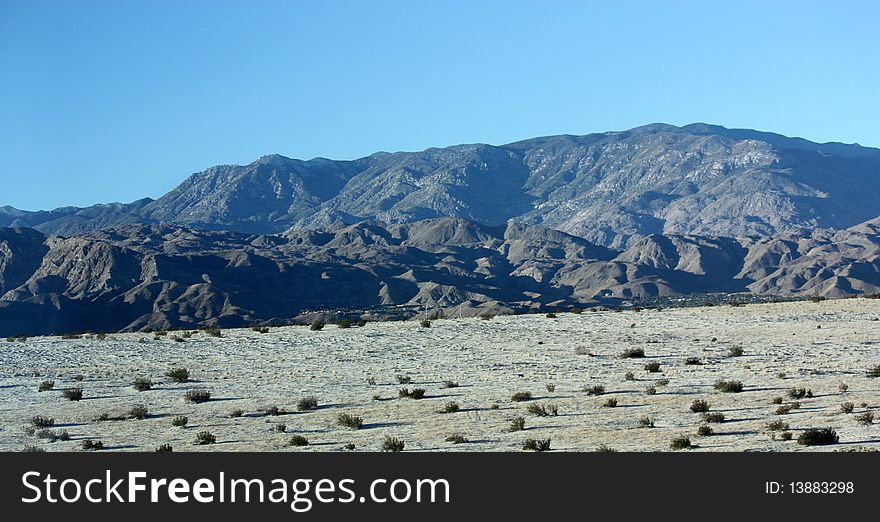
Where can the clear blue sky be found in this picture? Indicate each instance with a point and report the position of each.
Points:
(115, 100)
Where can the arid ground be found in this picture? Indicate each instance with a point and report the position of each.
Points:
(827, 348)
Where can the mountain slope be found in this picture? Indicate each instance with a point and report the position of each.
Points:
(263, 197)
(611, 188)
(70, 220)
(160, 276)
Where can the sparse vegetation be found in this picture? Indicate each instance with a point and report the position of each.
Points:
(238, 412)
(681, 442)
(349, 421)
(610, 403)
(73, 394)
(205, 437)
(521, 396)
(517, 424)
(705, 430)
(729, 386)
(180, 421)
(596, 389)
(866, 418)
(53, 435)
(164, 448)
(652, 367)
(299, 440)
(714, 417)
(40, 421)
(92, 445)
(633, 353)
(450, 407)
(138, 412)
(403, 379)
(520, 369)
(629, 376)
(213, 331)
(646, 422)
(784, 409)
(178, 375)
(107, 417)
(316, 326)
(797, 393)
(457, 438)
(818, 437)
(272, 411)
(307, 403)
(700, 406)
(392, 444)
(415, 393)
(543, 410)
(874, 372)
(198, 396)
(551, 315)
(424, 323)
(536, 445)
(46, 386)
(735, 351)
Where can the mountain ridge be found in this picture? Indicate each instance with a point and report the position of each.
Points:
(154, 276)
(611, 188)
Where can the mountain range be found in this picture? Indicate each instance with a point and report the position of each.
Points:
(160, 276)
(558, 221)
(611, 188)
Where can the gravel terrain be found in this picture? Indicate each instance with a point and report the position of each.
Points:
(816, 346)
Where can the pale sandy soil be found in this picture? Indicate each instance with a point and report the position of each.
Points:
(490, 359)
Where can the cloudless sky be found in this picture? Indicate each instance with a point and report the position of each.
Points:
(119, 99)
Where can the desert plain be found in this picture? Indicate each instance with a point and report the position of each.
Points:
(802, 365)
